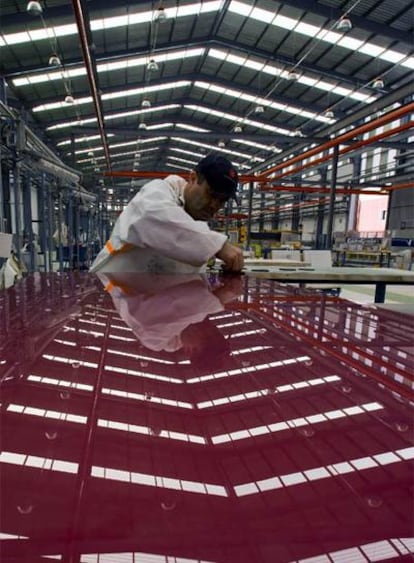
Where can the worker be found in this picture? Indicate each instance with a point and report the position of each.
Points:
(164, 227)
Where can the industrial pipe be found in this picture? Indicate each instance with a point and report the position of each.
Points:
(80, 21)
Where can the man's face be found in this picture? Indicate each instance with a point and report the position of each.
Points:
(199, 201)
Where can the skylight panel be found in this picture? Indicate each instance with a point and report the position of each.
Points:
(191, 128)
(350, 43)
(284, 21)
(117, 21)
(306, 29)
(109, 23)
(320, 34)
(196, 8)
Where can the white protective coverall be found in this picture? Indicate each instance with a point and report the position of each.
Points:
(155, 234)
(159, 308)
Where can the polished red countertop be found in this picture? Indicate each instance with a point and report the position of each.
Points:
(158, 419)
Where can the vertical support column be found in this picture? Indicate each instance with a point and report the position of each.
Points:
(275, 216)
(261, 216)
(50, 225)
(69, 223)
(321, 211)
(17, 200)
(59, 229)
(353, 198)
(3, 90)
(27, 221)
(5, 214)
(249, 213)
(42, 206)
(332, 195)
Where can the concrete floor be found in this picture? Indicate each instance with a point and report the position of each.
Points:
(395, 294)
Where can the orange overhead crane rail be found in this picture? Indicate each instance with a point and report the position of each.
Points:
(157, 174)
(264, 177)
(325, 189)
(374, 124)
(343, 151)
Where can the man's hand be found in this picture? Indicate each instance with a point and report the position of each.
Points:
(232, 257)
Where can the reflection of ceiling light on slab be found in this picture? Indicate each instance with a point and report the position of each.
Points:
(259, 109)
(142, 125)
(378, 83)
(329, 114)
(344, 24)
(293, 74)
(54, 61)
(69, 99)
(161, 15)
(221, 144)
(238, 128)
(34, 8)
(152, 66)
(146, 103)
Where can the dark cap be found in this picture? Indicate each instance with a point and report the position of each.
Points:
(220, 174)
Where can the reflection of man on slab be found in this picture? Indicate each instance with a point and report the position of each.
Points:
(169, 312)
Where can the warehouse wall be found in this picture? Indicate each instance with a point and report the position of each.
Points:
(401, 214)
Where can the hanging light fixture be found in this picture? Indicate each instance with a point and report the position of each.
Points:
(221, 143)
(378, 83)
(142, 125)
(34, 8)
(152, 66)
(161, 16)
(146, 103)
(69, 99)
(298, 133)
(238, 128)
(54, 60)
(344, 24)
(259, 109)
(329, 113)
(293, 74)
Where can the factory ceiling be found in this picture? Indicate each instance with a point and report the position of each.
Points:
(169, 81)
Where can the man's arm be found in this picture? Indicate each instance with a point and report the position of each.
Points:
(232, 257)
